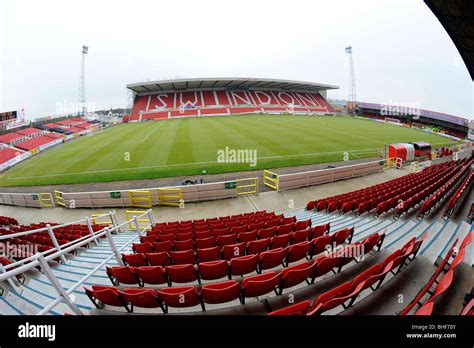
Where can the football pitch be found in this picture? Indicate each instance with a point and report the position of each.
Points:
(210, 145)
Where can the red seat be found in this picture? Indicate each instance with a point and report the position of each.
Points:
(135, 260)
(239, 229)
(375, 274)
(300, 308)
(347, 207)
(182, 273)
(322, 205)
(280, 241)
(233, 250)
(243, 265)
(158, 259)
(184, 236)
(363, 207)
(466, 240)
(142, 248)
(106, 295)
(183, 257)
(166, 237)
(443, 285)
(148, 239)
(333, 206)
(334, 297)
(298, 251)
(285, 229)
(426, 309)
(272, 258)
(303, 224)
(163, 246)
(300, 236)
(203, 243)
(151, 274)
(209, 254)
(344, 235)
(227, 239)
(320, 244)
(259, 285)
(125, 275)
(294, 275)
(373, 240)
(324, 265)
(247, 236)
(181, 245)
(221, 232)
(288, 220)
(220, 292)
(272, 223)
(203, 234)
(213, 269)
(266, 232)
(179, 297)
(144, 298)
(258, 246)
(256, 226)
(319, 231)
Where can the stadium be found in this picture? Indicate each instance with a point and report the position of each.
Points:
(237, 196)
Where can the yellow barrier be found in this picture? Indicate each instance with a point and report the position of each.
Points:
(244, 184)
(391, 162)
(34, 152)
(131, 213)
(172, 197)
(140, 199)
(46, 200)
(59, 198)
(394, 162)
(96, 216)
(270, 179)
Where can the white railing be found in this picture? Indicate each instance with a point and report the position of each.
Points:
(41, 259)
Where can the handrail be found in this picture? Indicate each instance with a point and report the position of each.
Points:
(62, 250)
(45, 229)
(81, 281)
(48, 228)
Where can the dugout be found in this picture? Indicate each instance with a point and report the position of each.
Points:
(422, 149)
(404, 151)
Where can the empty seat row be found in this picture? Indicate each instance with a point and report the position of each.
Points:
(457, 197)
(221, 227)
(346, 294)
(185, 241)
(452, 260)
(313, 247)
(221, 292)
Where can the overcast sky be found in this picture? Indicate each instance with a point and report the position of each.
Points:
(402, 54)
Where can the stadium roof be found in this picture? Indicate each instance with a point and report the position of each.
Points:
(460, 121)
(457, 18)
(228, 83)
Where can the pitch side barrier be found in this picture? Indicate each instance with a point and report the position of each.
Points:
(317, 177)
(175, 196)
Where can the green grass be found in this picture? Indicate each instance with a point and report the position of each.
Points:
(189, 146)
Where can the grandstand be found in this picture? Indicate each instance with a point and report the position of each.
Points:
(438, 122)
(37, 139)
(226, 96)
